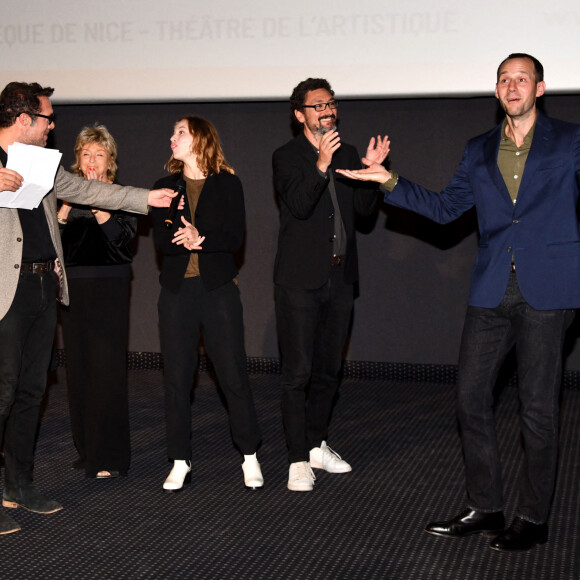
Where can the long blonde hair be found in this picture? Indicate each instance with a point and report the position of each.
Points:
(206, 147)
(100, 135)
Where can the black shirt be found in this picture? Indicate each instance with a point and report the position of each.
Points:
(37, 244)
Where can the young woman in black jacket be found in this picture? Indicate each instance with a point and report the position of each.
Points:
(199, 292)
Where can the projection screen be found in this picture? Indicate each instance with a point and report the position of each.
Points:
(188, 50)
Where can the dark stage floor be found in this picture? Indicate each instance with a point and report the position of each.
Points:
(400, 439)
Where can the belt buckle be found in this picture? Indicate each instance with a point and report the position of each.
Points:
(37, 267)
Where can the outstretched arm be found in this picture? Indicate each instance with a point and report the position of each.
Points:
(374, 172)
(161, 197)
(377, 152)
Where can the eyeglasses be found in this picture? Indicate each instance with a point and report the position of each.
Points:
(50, 118)
(319, 107)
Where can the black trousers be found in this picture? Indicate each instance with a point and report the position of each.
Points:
(312, 328)
(95, 330)
(26, 337)
(488, 335)
(218, 314)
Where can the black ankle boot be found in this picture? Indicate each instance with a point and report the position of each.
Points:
(28, 497)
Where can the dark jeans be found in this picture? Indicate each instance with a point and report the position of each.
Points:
(95, 330)
(26, 337)
(488, 335)
(312, 328)
(218, 313)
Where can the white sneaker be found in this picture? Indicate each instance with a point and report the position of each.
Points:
(252, 473)
(301, 477)
(324, 457)
(178, 476)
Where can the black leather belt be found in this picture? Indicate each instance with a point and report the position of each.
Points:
(337, 260)
(37, 267)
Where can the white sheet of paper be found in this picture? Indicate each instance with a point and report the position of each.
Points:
(38, 167)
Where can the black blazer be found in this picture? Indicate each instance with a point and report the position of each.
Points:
(220, 216)
(303, 259)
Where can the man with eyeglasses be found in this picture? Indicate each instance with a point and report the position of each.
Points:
(315, 271)
(31, 263)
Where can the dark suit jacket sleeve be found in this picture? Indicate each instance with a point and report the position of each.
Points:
(298, 181)
(120, 228)
(576, 152)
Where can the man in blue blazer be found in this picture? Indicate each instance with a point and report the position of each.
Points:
(523, 177)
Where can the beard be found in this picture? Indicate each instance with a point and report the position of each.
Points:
(320, 129)
(520, 109)
(38, 140)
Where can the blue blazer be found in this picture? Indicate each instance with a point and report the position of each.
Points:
(540, 230)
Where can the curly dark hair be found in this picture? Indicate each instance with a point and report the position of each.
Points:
(18, 98)
(298, 97)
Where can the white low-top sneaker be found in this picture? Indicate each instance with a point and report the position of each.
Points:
(179, 476)
(253, 478)
(324, 457)
(300, 477)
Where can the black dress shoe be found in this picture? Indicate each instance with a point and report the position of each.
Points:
(468, 522)
(521, 535)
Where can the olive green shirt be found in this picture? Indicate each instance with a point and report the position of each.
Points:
(511, 160)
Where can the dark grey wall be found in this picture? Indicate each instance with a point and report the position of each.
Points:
(414, 274)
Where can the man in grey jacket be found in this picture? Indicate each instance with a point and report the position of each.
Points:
(33, 276)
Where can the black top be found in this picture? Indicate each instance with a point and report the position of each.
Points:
(220, 217)
(37, 244)
(97, 250)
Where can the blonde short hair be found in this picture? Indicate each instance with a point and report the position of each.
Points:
(100, 135)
